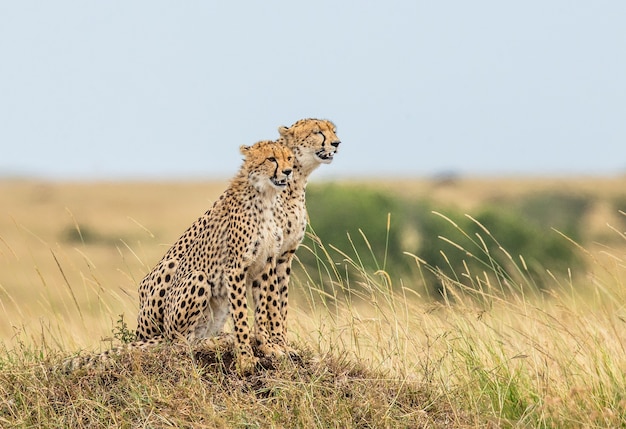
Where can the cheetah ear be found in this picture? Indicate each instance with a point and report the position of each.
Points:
(282, 130)
(243, 149)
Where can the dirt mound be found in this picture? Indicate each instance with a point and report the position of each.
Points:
(174, 386)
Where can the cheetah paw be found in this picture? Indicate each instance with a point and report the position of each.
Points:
(289, 351)
(285, 349)
(271, 350)
(246, 364)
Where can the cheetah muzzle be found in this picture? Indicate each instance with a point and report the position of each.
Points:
(279, 183)
(326, 158)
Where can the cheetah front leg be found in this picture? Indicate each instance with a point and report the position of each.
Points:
(260, 294)
(246, 361)
(277, 300)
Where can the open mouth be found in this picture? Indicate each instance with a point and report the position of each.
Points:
(279, 182)
(328, 157)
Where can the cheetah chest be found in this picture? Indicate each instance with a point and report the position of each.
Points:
(293, 226)
(267, 244)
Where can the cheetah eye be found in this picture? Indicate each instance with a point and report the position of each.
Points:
(271, 159)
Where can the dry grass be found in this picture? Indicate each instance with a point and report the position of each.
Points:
(125, 228)
(494, 355)
(174, 388)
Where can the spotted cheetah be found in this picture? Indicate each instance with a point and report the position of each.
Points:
(313, 142)
(204, 276)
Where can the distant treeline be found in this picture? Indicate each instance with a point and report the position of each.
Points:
(512, 239)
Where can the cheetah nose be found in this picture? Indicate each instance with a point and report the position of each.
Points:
(336, 144)
(287, 172)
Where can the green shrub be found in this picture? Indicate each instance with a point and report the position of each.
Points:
(497, 241)
(618, 204)
(513, 239)
(561, 211)
(343, 217)
(83, 234)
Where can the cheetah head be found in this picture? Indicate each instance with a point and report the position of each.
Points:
(313, 141)
(268, 163)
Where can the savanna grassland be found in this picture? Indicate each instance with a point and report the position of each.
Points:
(476, 303)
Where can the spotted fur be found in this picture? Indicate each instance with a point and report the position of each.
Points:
(204, 276)
(313, 142)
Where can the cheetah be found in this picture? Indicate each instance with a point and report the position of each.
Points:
(204, 276)
(313, 142)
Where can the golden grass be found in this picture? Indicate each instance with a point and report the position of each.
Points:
(495, 355)
(130, 225)
(134, 223)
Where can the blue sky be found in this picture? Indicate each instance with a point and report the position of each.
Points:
(169, 90)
